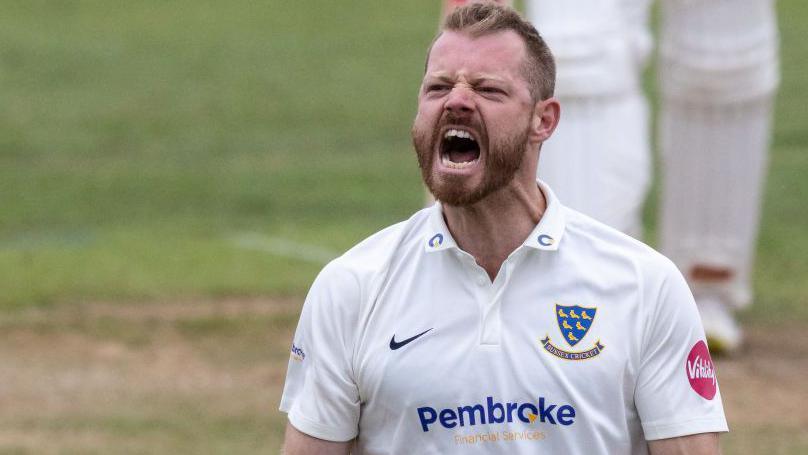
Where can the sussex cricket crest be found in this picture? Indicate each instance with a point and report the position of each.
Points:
(574, 322)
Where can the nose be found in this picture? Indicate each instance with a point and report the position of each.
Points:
(459, 102)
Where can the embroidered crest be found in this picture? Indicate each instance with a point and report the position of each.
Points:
(574, 322)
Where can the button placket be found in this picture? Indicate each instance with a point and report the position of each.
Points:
(491, 329)
(489, 296)
(490, 317)
(491, 323)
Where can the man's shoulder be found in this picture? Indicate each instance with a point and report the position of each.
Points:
(589, 236)
(346, 284)
(375, 253)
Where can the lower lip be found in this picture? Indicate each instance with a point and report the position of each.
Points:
(457, 168)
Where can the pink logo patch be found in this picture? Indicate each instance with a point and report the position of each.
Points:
(700, 371)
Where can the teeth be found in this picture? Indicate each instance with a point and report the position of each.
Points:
(458, 133)
(449, 163)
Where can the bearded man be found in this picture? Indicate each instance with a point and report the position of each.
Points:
(497, 320)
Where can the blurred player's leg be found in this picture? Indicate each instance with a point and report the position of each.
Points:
(598, 159)
(718, 70)
(596, 164)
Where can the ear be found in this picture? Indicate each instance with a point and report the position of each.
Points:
(546, 114)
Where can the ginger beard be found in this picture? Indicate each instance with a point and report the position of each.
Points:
(502, 160)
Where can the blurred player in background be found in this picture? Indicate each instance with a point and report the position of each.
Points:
(718, 72)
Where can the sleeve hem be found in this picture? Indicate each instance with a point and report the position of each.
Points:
(318, 430)
(654, 431)
(286, 404)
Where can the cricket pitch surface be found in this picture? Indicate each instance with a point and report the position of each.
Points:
(205, 376)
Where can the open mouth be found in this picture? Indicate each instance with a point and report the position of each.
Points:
(459, 149)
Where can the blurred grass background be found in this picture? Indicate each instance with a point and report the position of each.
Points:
(141, 142)
(137, 138)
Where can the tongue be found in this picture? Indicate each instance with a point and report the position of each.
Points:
(463, 156)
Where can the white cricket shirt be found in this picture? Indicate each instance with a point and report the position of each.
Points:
(587, 341)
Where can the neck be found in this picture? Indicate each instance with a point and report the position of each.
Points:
(491, 229)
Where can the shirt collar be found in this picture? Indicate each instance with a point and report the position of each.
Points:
(437, 237)
(545, 236)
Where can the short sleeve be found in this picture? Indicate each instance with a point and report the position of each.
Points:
(320, 394)
(677, 391)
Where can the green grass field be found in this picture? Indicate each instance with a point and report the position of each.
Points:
(137, 140)
(145, 146)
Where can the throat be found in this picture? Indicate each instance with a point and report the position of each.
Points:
(494, 228)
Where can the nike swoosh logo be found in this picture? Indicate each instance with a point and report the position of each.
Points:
(398, 344)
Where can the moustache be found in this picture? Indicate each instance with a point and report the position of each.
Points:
(450, 118)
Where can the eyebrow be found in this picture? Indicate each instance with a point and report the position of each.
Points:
(445, 77)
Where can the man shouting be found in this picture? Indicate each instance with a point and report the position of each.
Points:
(498, 320)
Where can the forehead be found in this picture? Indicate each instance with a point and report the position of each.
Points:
(500, 53)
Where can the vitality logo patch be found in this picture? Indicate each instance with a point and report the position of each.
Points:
(574, 322)
(701, 371)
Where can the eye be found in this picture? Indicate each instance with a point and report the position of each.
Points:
(491, 90)
(437, 87)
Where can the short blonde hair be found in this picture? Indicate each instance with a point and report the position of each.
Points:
(478, 19)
